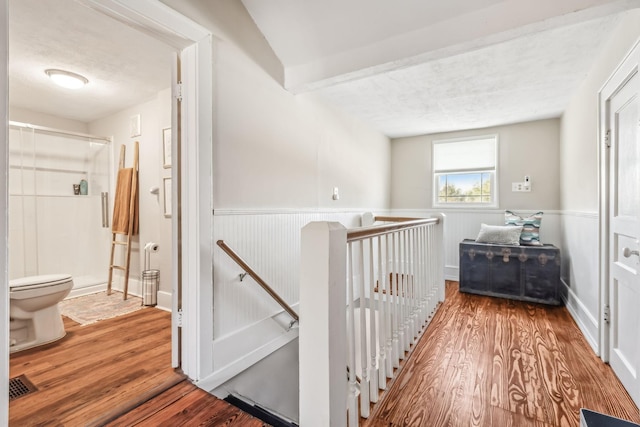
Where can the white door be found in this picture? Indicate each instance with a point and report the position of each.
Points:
(622, 106)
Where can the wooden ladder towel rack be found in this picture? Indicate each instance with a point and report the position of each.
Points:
(125, 216)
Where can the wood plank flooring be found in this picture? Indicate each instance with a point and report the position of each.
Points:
(493, 362)
(186, 405)
(99, 371)
(482, 362)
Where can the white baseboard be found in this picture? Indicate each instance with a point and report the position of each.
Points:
(135, 288)
(585, 320)
(164, 301)
(452, 272)
(87, 290)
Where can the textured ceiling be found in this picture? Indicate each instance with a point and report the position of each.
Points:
(124, 66)
(527, 78)
(425, 66)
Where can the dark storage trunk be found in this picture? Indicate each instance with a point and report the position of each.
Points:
(526, 273)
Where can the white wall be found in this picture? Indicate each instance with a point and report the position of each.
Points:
(524, 149)
(579, 181)
(276, 159)
(155, 115)
(579, 151)
(22, 115)
(279, 151)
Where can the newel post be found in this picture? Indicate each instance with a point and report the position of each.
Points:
(323, 325)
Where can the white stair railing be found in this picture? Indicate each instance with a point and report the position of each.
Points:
(395, 281)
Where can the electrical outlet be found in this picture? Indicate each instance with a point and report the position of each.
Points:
(520, 186)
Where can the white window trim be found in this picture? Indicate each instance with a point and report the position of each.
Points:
(496, 183)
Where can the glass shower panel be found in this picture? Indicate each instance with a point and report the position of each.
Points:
(56, 203)
(22, 204)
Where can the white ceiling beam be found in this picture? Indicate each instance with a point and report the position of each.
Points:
(501, 22)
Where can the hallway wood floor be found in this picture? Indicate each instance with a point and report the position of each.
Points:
(482, 362)
(493, 362)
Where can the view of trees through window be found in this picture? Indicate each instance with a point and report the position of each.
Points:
(472, 187)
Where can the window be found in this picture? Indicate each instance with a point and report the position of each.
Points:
(464, 171)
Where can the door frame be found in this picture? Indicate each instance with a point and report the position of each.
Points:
(619, 75)
(4, 220)
(195, 279)
(192, 185)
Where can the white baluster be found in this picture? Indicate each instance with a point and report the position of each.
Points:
(352, 399)
(382, 336)
(400, 294)
(432, 273)
(373, 338)
(415, 322)
(395, 299)
(364, 360)
(424, 303)
(421, 280)
(388, 323)
(406, 299)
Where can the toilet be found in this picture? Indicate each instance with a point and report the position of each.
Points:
(33, 308)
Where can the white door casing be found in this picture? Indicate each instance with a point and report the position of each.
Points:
(4, 234)
(191, 181)
(176, 284)
(620, 115)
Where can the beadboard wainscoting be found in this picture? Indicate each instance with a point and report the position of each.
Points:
(248, 324)
(580, 272)
(460, 224)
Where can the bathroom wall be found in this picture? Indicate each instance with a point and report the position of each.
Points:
(155, 115)
(22, 115)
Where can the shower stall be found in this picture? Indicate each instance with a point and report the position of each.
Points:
(58, 205)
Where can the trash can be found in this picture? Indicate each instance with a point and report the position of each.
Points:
(150, 282)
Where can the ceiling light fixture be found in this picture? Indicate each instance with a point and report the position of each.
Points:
(66, 79)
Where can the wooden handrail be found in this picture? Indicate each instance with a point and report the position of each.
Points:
(378, 230)
(394, 218)
(234, 256)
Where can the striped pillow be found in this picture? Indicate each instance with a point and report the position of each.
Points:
(530, 227)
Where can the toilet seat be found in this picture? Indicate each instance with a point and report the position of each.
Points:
(36, 282)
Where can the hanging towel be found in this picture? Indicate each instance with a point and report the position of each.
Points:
(122, 203)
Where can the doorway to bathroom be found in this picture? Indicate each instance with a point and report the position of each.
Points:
(190, 184)
(61, 178)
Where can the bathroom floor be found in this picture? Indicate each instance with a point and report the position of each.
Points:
(95, 370)
(99, 306)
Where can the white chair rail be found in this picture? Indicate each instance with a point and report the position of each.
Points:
(354, 333)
